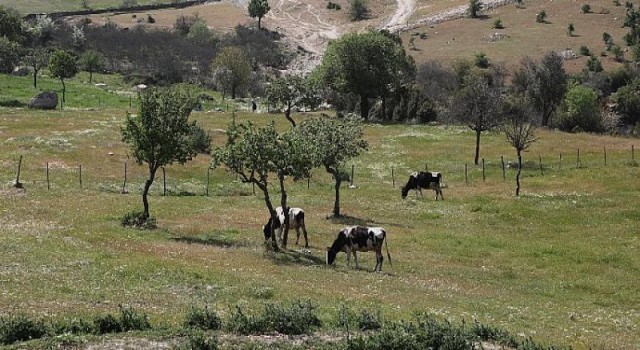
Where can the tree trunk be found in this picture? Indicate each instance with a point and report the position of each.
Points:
(364, 107)
(64, 89)
(272, 212)
(35, 79)
(477, 156)
(233, 92)
(285, 211)
(145, 192)
(90, 76)
(287, 114)
(336, 203)
(518, 174)
(259, 22)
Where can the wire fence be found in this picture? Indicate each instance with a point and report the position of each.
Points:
(196, 181)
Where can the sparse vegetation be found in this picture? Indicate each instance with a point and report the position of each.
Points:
(541, 17)
(358, 9)
(497, 24)
(586, 8)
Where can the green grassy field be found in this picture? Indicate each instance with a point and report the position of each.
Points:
(559, 263)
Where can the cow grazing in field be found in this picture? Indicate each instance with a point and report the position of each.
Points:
(419, 180)
(352, 239)
(296, 221)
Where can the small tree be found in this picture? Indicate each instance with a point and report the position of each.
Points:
(618, 53)
(520, 131)
(475, 8)
(258, 8)
(9, 55)
(586, 8)
(608, 40)
(358, 9)
(235, 60)
(36, 58)
(519, 3)
(161, 134)
(570, 29)
(337, 141)
(594, 65)
(254, 152)
(91, 61)
(497, 24)
(291, 92)
(62, 65)
(541, 17)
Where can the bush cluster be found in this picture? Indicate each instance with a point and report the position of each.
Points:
(137, 219)
(299, 318)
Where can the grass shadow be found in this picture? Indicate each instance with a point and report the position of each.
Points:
(347, 220)
(12, 104)
(218, 239)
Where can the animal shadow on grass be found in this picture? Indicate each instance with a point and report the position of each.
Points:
(291, 257)
(354, 221)
(218, 239)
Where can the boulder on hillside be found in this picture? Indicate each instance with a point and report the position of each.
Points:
(21, 71)
(44, 100)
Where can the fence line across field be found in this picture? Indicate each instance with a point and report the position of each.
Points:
(87, 176)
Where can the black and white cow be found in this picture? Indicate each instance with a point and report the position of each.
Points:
(419, 180)
(352, 239)
(296, 221)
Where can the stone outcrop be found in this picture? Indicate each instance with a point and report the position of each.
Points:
(44, 100)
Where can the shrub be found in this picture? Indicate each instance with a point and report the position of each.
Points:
(150, 19)
(131, 320)
(358, 10)
(617, 52)
(541, 17)
(333, 6)
(586, 8)
(616, 2)
(481, 60)
(137, 219)
(300, 318)
(584, 51)
(369, 321)
(497, 24)
(594, 65)
(74, 326)
(205, 319)
(107, 324)
(20, 328)
(199, 341)
(240, 323)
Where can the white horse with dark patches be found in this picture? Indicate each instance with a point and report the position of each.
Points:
(419, 180)
(352, 239)
(296, 221)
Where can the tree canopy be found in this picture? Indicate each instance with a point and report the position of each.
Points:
(231, 69)
(369, 65)
(258, 8)
(62, 65)
(291, 92)
(161, 133)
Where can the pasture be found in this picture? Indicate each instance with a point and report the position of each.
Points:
(558, 264)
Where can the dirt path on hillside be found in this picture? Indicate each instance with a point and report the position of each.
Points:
(308, 29)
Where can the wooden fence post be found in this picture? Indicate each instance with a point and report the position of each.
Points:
(48, 186)
(426, 167)
(164, 182)
(484, 175)
(578, 158)
(124, 184)
(352, 171)
(466, 178)
(80, 174)
(208, 171)
(632, 153)
(503, 171)
(541, 170)
(393, 179)
(605, 155)
(17, 183)
(560, 162)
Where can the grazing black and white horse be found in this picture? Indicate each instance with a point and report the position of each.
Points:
(419, 180)
(352, 239)
(296, 221)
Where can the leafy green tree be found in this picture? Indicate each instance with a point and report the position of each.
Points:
(253, 153)
(479, 106)
(10, 24)
(582, 111)
(291, 92)
(36, 58)
(358, 10)
(91, 61)
(235, 60)
(161, 134)
(336, 141)
(627, 102)
(258, 8)
(520, 130)
(475, 8)
(10, 52)
(545, 83)
(62, 65)
(200, 34)
(370, 65)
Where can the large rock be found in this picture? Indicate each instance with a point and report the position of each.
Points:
(44, 100)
